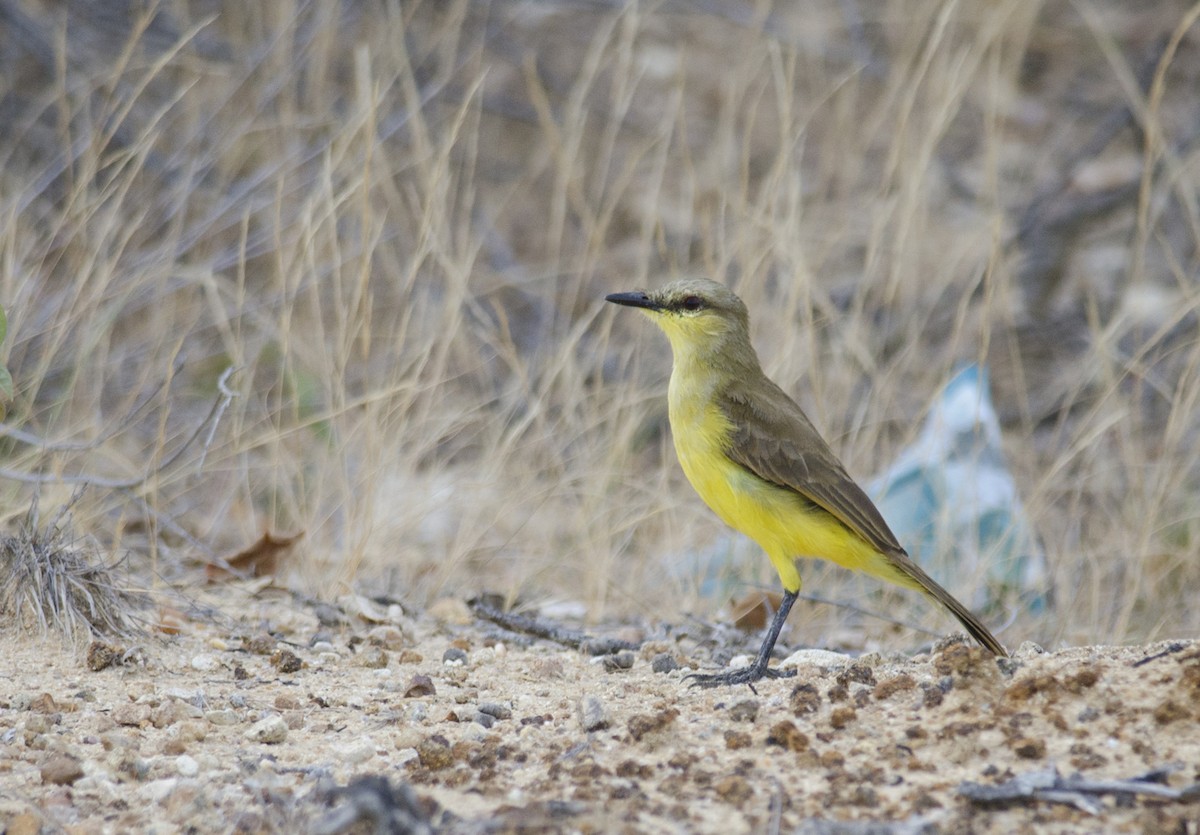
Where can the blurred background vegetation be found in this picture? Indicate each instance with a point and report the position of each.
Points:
(396, 221)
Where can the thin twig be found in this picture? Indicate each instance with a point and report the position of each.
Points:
(1172, 648)
(550, 631)
(1047, 785)
(89, 480)
(223, 404)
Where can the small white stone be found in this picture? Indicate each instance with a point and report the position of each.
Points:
(739, 661)
(271, 730)
(357, 752)
(406, 755)
(593, 715)
(186, 766)
(204, 663)
(816, 658)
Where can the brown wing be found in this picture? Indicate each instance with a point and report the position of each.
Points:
(776, 441)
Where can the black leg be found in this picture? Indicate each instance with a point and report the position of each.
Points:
(757, 670)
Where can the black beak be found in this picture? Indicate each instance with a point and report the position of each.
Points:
(638, 299)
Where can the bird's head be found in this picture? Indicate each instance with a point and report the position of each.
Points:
(698, 316)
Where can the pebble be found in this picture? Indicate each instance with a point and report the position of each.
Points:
(43, 703)
(744, 711)
(328, 614)
(271, 730)
(621, 661)
(420, 685)
(286, 701)
(816, 658)
(61, 770)
(485, 719)
(1008, 666)
(101, 655)
(388, 637)
(131, 715)
(593, 715)
(737, 740)
(364, 608)
(450, 610)
(186, 766)
(406, 755)
(358, 752)
(286, 661)
(373, 658)
(496, 709)
(664, 662)
(222, 717)
(203, 663)
(454, 657)
(435, 754)
(171, 711)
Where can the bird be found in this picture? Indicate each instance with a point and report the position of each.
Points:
(757, 461)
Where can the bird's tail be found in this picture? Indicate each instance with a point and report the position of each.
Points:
(917, 576)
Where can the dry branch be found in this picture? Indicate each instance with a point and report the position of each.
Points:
(1046, 785)
(550, 631)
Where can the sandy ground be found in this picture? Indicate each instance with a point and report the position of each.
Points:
(279, 720)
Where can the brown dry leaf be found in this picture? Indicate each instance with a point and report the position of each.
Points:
(259, 560)
(170, 620)
(750, 613)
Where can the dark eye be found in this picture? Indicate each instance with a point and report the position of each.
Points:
(693, 303)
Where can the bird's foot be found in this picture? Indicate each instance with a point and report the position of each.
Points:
(742, 675)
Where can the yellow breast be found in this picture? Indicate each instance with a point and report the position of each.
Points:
(783, 523)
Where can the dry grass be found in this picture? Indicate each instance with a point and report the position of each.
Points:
(397, 220)
(49, 580)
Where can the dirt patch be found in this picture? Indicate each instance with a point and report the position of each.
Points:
(231, 727)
